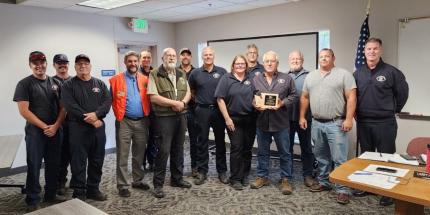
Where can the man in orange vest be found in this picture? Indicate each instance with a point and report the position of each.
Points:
(130, 105)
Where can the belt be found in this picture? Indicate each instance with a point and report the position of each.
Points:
(328, 120)
(207, 105)
(134, 119)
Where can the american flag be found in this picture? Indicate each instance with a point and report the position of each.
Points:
(364, 35)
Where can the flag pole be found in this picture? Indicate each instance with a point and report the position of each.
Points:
(357, 139)
(368, 7)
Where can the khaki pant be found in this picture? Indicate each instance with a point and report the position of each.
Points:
(135, 133)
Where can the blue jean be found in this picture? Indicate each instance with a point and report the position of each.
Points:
(264, 140)
(331, 145)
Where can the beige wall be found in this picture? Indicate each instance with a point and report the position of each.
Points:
(342, 17)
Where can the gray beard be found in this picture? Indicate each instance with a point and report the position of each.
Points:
(169, 66)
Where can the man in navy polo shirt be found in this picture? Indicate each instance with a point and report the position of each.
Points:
(254, 68)
(203, 82)
(61, 66)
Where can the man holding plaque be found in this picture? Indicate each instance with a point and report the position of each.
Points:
(275, 94)
(331, 93)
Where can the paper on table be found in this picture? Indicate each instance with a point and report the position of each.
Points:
(424, 157)
(373, 179)
(395, 158)
(400, 172)
(376, 156)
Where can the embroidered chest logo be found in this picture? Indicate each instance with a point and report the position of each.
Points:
(54, 87)
(216, 75)
(381, 78)
(247, 82)
(257, 73)
(96, 89)
(281, 81)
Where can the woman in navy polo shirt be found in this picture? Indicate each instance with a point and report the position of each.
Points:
(234, 95)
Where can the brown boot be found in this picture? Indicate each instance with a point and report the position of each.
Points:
(286, 188)
(260, 182)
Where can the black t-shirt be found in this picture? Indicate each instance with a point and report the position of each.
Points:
(237, 95)
(61, 80)
(205, 83)
(43, 97)
(80, 97)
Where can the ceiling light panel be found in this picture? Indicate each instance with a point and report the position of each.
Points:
(108, 4)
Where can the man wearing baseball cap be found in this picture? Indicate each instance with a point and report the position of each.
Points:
(185, 57)
(87, 101)
(61, 66)
(38, 98)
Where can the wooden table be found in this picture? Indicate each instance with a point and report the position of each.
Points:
(410, 195)
(71, 207)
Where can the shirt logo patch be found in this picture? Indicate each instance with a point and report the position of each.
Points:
(96, 89)
(247, 82)
(182, 80)
(54, 87)
(281, 81)
(381, 78)
(216, 75)
(120, 94)
(257, 73)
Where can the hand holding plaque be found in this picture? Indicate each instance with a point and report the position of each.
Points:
(267, 100)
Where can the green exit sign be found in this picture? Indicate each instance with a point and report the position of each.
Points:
(140, 25)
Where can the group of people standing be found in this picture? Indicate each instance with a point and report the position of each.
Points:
(154, 107)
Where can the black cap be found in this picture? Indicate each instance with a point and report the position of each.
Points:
(82, 57)
(60, 59)
(187, 50)
(36, 56)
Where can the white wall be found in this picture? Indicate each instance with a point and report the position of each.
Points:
(342, 18)
(24, 29)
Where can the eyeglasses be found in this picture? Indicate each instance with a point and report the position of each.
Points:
(239, 64)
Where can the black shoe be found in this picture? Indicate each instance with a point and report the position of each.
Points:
(386, 201)
(97, 195)
(124, 192)
(223, 178)
(236, 185)
(79, 195)
(54, 200)
(245, 181)
(61, 191)
(181, 183)
(200, 179)
(359, 193)
(159, 193)
(140, 185)
(31, 208)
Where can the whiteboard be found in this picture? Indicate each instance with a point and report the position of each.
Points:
(307, 43)
(414, 58)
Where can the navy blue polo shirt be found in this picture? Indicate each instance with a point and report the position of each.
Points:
(255, 71)
(237, 95)
(204, 84)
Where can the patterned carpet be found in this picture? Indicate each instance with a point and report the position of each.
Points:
(210, 198)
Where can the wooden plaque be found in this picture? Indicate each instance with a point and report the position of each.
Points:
(267, 100)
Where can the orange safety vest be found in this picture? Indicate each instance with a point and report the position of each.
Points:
(119, 94)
